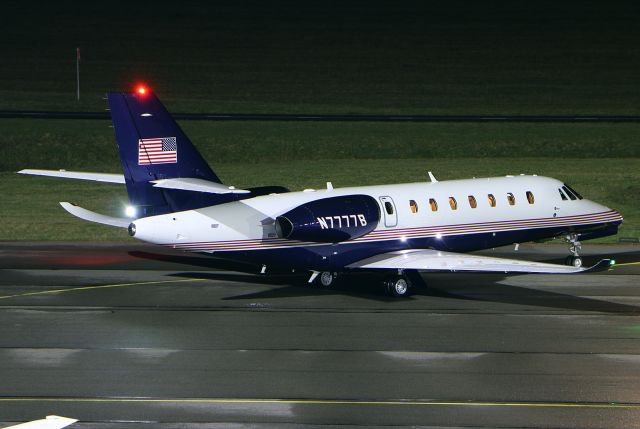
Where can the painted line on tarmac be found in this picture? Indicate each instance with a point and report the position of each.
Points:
(600, 405)
(626, 263)
(82, 288)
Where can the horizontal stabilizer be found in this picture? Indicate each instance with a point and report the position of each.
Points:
(85, 214)
(427, 259)
(96, 177)
(197, 185)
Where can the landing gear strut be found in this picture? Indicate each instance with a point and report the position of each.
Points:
(574, 247)
(397, 286)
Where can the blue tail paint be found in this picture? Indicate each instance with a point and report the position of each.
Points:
(147, 136)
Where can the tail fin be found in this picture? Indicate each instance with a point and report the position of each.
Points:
(153, 147)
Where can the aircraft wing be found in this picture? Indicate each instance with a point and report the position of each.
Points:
(427, 259)
(51, 422)
(96, 177)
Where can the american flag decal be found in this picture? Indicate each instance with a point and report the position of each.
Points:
(161, 150)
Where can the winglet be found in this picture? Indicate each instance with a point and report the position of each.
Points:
(602, 265)
(85, 214)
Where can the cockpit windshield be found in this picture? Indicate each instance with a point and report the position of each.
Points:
(572, 191)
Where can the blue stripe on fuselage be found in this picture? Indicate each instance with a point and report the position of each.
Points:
(334, 257)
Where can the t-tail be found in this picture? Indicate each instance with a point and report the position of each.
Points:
(153, 149)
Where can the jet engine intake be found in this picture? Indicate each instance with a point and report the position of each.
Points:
(330, 220)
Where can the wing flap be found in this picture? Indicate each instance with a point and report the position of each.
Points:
(197, 185)
(96, 177)
(95, 217)
(427, 259)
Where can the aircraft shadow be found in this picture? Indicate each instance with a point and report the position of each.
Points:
(204, 261)
(294, 285)
(458, 286)
(487, 287)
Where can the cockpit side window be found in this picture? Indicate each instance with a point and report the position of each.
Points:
(569, 193)
(562, 195)
(574, 191)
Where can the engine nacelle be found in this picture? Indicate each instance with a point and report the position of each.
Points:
(330, 220)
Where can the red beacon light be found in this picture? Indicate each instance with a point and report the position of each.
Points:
(141, 90)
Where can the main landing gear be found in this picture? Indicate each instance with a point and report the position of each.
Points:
(574, 247)
(397, 286)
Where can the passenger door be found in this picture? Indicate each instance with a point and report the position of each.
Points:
(389, 212)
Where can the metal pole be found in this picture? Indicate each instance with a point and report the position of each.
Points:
(78, 73)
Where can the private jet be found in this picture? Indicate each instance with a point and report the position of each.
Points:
(177, 200)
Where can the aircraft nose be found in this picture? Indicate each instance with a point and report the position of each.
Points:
(617, 215)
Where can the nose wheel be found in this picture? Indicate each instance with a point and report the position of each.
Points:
(574, 247)
(324, 278)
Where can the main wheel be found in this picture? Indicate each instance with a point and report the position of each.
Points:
(398, 287)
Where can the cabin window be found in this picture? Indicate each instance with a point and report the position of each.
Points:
(569, 193)
(574, 191)
(414, 206)
(562, 195)
(492, 200)
(453, 203)
(388, 207)
(511, 199)
(530, 197)
(433, 204)
(472, 202)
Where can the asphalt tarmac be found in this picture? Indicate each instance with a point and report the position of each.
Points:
(126, 335)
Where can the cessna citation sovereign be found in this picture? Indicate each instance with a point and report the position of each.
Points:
(179, 202)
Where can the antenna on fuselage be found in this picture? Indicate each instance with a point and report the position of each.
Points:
(432, 177)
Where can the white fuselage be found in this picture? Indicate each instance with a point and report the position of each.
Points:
(501, 204)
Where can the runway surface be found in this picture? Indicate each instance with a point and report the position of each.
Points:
(117, 335)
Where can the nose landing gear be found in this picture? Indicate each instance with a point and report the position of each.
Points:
(324, 278)
(574, 247)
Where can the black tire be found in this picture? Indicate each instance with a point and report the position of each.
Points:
(398, 287)
(573, 261)
(326, 279)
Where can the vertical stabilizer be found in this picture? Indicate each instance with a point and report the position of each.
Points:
(153, 147)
